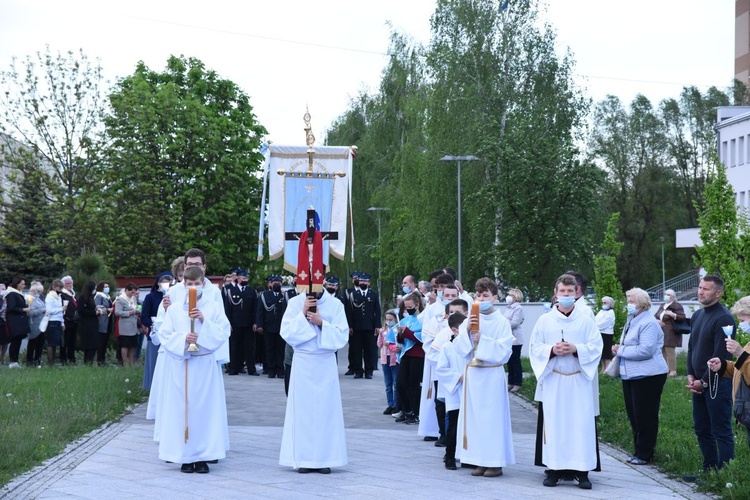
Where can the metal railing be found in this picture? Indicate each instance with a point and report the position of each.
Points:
(681, 284)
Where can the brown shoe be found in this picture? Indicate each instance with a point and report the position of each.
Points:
(479, 471)
(493, 472)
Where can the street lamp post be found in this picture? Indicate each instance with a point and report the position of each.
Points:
(663, 273)
(378, 210)
(459, 159)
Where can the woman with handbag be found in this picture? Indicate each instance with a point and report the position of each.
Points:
(16, 318)
(669, 313)
(643, 372)
(36, 314)
(739, 370)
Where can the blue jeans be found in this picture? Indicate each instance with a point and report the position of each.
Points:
(712, 420)
(389, 376)
(515, 370)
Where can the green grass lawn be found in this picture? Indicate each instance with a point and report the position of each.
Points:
(42, 410)
(677, 451)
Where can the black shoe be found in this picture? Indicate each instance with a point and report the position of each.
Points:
(551, 480)
(690, 478)
(271, 375)
(450, 464)
(468, 466)
(583, 482)
(358, 375)
(212, 461)
(411, 420)
(368, 375)
(305, 470)
(440, 443)
(430, 438)
(324, 470)
(187, 468)
(402, 418)
(254, 374)
(349, 372)
(388, 411)
(232, 372)
(201, 467)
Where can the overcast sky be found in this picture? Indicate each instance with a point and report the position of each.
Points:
(289, 54)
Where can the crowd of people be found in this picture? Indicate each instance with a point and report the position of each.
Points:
(442, 352)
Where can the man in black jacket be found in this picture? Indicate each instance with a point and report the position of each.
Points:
(365, 320)
(269, 312)
(241, 306)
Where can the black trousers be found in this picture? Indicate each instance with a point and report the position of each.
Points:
(642, 400)
(275, 346)
(362, 343)
(439, 411)
(34, 349)
(408, 383)
(15, 348)
(451, 431)
(242, 342)
(287, 377)
(68, 349)
(260, 350)
(101, 350)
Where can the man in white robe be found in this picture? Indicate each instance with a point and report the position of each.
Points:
(191, 415)
(565, 349)
(485, 438)
(313, 438)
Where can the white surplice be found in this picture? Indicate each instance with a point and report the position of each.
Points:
(428, 423)
(484, 418)
(314, 423)
(449, 370)
(192, 384)
(565, 386)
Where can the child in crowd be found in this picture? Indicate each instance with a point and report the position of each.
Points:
(411, 359)
(450, 373)
(389, 360)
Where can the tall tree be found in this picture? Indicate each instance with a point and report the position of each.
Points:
(185, 146)
(52, 105)
(719, 226)
(606, 282)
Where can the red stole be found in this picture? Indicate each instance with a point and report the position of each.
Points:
(304, 278)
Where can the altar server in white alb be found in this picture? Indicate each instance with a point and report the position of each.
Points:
(313, 438)
(192, 413)
(484, 433)
(565, 349)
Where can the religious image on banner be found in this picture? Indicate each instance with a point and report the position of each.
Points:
(299, 179)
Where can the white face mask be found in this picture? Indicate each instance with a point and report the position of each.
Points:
(508, 299)
(164, 287)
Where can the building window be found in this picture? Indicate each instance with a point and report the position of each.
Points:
(724, 153)
(742, 199)
(741, 151)
(733, 153)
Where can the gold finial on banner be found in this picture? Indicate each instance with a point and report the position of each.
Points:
(309, 140)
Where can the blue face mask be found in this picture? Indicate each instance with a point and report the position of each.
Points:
(745, 326)
(106, 290)
(605, 308)
(440, 295)
(485, 306)
(406, 289)
(566, 301)
(632, 309)
(390, 323)
(445, 302)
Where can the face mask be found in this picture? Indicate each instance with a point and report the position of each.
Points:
(199, 292)
(605, 308)
(406, 289)
(412, 312)
(440, 295)
(106, 290)
(566, 302)
(356, 282)
(632, 309)
(508, 299)
(163, 286)
(331, 290)
(363, 286)
(745, 326)
(276, 287)
(445, 302)
(485, 306)
(667, 298)
(390, 323)
(243, 283)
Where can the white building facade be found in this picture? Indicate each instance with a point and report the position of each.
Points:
(733, 141)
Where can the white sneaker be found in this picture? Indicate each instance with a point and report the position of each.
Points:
(396, 415)
(14, 365)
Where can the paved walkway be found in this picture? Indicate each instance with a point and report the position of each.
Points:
(386, 459)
